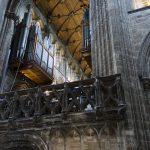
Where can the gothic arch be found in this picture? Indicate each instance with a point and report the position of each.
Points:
(73, 139)
(143, 61)
(90, 139)
(57, 140)
(22, 141)
(108, 138)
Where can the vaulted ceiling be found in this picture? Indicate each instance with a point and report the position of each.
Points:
(66, 16)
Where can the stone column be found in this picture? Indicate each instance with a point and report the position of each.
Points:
(112, 53)
(3, 6)
(5, 38)
(101, 39)
(6, 46)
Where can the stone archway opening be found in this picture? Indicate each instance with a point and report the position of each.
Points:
(22, 142)
(20, 145)
(21, 148)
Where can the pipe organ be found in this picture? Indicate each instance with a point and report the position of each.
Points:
(86, 32)
(37, 55)
(86, 42)
(19, 41)
(30, 54)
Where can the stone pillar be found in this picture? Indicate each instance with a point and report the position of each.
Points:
(112, 53)
(3, 6)
(7, 27)
(5, 49)
(101, 39)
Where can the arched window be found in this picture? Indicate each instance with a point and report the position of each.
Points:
(141, 3)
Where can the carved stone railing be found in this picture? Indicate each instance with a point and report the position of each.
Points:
(102, 96)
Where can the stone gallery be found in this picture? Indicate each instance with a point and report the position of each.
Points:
(75, 75)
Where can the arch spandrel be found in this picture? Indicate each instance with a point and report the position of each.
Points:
(22, 141)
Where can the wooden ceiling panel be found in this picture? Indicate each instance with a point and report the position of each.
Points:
(66, 16)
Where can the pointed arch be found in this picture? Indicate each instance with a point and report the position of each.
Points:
(73, 140)
(108, 138)
(22, 141)
(90, 139)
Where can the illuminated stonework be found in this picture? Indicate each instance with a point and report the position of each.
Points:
(141, 3)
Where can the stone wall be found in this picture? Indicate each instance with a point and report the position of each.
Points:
(3, 6)
(117, 38)
(65, 138)
(139, 23)
(125, 46)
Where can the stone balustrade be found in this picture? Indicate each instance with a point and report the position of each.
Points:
(102, 96)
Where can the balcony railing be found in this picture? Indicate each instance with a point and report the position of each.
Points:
(102, 96)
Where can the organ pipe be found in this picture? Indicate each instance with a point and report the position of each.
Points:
(86, 30)
(26, 22)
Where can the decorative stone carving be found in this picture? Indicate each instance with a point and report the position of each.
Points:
(101, 95)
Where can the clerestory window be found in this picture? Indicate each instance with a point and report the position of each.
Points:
(141, 3)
